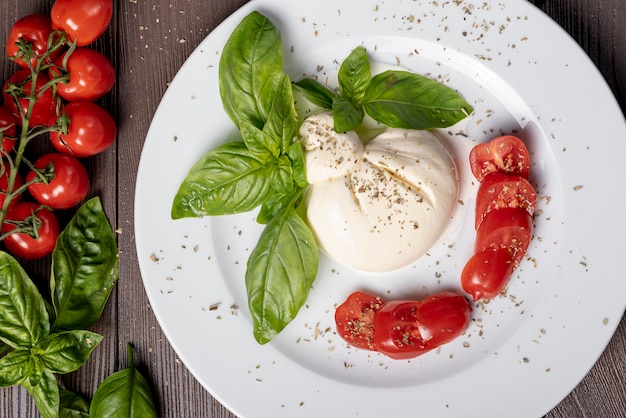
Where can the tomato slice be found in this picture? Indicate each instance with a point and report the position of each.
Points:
(508, 228)
(505, 154)
(487, 273)
(355, 319)
(503, 191)
(406, 329)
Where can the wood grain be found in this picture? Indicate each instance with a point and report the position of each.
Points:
(148, 42)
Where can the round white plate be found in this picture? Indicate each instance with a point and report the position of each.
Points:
(525, 351)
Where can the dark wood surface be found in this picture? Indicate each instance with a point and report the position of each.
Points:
(148, 42)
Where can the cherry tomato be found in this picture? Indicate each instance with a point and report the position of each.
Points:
(506, 228)
(8, 130)
(4, 185)
(405, 329)
(504, 154)
(355, 319)
(502, 191)
(487, 272)
(91, 75)
(83, 20)
(69, 182)
(45, 105)
(34, 28)
(41, 238)
(90, 130)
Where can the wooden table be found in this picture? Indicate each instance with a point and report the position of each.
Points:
(148, 42)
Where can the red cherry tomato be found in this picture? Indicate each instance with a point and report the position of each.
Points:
(34, 28)
(504, 154)
(8, 130)
(4, 185)
(487, 273)
(40, 240)
(91, 75)
(83, 20)
(90, 130)
(506, 228)
(69, 184)
(355, 319)
(45, 105)
(405, 329)
(502, 191)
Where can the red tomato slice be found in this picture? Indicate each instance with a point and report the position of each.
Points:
(502, 191)
(504, 154)
(355, 319)
(487, 273)
(506, 228)
(406, 329)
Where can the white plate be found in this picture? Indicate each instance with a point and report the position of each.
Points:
(524, 352)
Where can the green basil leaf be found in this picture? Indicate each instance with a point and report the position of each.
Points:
(46, 395)
(262, 145)
(315, 92)
(66, 351)
(23, 317)
(84, 268)
(15, 367)
(35, 370)
(296, 156)
(354, 75)
(72, 405)
(346, 115)
(280, 272)
(3, 348)
(401, 99)
(124, 394)
(229, 179)
(282, 120)
(251, 69)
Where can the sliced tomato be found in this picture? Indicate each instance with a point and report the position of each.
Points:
(487, 273)
(508, 228)
(505, 154)
(406, 329)
(355, 319)
(499, 191)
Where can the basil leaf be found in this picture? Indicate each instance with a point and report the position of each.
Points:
(354, 75)
(124, 394)
(282, 120)
(46, 395)
(15, 367)
(346, 115)
(84, 268)
(72, 405)
(280, 272)
(23, 317)
(65, 352)
(296, 156)
(251, 70)
(315, 92)
(260, 144)
(229, 179)
(401, 99)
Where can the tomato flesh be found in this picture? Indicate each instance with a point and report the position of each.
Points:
(504, 154)
(507, 228)
(503, 191)
(355, 319)
(487, 273)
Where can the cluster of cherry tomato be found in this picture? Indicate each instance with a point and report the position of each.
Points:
(52, 93)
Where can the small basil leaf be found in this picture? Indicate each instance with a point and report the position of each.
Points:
(23, 317)
(35, 370)
(46, 395)
(84, 268)
(15, 367)
(262, 145)
(67, 351)
(124, 394)
(280, 272)
(401, 99)
(72, 405)
(251, 69)
(315, 92)
(354, 75)
(346, 115)
(282, 119)
(296, 156)
(229, 179)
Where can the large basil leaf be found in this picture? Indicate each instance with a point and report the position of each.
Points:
(315, 92)
(124, 394)
(46, 395)
(72, 405)
(66, 351)
(15, 367)
(84, 268)
(280, 272)
(354, 75)
(23, 317)
(401, 99)
(282, 120)
(251, 70)
(229, 179)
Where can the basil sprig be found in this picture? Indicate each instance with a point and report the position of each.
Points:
(264, 169)
(398, 99)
